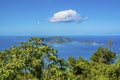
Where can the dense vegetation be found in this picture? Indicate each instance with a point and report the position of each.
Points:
(57, 40)
(34, 60)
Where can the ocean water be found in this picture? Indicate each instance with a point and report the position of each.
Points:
(83, 46)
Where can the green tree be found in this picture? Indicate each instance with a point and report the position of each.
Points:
(110, 43)
(33, 60)
(78, 68)
(103, 55)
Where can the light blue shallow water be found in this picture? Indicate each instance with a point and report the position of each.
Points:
(75, 49)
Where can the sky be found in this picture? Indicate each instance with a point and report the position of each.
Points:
(59, 17)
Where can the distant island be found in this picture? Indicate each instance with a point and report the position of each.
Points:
(57, 40)
(90, 42)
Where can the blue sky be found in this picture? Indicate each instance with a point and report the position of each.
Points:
(36, 17)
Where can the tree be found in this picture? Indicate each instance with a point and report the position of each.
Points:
(103, 55)
(110, 43)
(33, 60)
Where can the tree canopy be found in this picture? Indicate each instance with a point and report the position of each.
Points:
(103, 55)
(35, 60)
(31, 60)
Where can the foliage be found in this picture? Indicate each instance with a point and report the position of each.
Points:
(103, 55)
(31, 60)
(34, 60)
(110, 43)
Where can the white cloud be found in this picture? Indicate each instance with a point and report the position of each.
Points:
(67, 16)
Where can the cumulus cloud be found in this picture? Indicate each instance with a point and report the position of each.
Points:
(67, 16)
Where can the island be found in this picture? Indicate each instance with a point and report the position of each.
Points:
(57, 40)
(90, 42)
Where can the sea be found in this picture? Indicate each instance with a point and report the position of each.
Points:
(84, 46)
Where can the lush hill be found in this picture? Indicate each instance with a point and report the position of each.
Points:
(57, 40)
